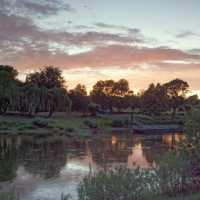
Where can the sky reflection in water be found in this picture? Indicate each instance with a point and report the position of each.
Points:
(45, 167)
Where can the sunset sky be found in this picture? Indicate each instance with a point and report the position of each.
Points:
(147, 41)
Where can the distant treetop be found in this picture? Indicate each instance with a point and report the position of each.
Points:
(49, 77)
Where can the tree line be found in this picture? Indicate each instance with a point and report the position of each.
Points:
(46, 90)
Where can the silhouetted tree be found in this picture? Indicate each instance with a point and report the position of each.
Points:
(93, 109)
(79, 98)
(9, 69)
(176, 90)
(155, 100)
(49, 77)
(102, 93)
(58, 99)
(8, 91)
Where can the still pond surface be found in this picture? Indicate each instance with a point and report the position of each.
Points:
(43, 168)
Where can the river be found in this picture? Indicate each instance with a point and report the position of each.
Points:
(43, 168)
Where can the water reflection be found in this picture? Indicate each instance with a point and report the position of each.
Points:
(47, 166)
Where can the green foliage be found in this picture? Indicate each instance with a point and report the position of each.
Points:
(8, 91)
(70, 129)
(90, 123)
(192, 122)
(41, 123)
(123, 183)
(21, 128)
(177, 175)
(4, 127)
(65, 197)
(176, 90)
(154, 99)
(9, 195)
(79, 98)
(48, 77)
(83, 126)
(117, 122)
(104, 121)
(59, 127)
(9, 69)
(93, 109)
(160, 120)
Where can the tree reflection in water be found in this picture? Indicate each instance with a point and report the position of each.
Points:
(49, 157)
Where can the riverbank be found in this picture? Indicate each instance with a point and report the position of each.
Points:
(75, 124)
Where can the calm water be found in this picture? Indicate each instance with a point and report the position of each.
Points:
(41, 168)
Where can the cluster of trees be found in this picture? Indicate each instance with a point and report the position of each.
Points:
(42, 91)
(46, 90)
(156, 99)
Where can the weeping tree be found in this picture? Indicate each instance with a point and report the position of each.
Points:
(58, 100)
(8, 91)
(176, 90)
(30, 98)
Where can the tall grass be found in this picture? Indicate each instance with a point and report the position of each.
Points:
(12, 194)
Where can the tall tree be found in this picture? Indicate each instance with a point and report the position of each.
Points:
(176, 90)
(154, 100)
(120, 92)
(93, 109)
(8, 91)
(9, 69)
(81, 89)
(102, 93)
(48, 77)
(58, 99)
(121, 88)
(193, 100)
(29, 98)
(79, 98)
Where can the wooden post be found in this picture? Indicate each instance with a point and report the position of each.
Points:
(131, 120)
(173, 134)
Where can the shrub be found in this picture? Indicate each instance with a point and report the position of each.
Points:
(93, 109)
(41, 123)
(21, 128)
(70, 129)
(121, 183)
(50, 126)
(117, 122)
(4, 127)
(90, 123)
(82, 126)
(127, 121)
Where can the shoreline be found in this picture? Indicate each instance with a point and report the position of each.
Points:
(70, 134)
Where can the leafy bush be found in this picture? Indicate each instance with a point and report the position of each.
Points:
(70, 129)
(4, 127)
(82, 126)
(123, 183)
(3, 123)
(93, 109)
(127, 121)
(90, 123)
(50, 126)
(21, 128)
(118, 122)
(41, 123)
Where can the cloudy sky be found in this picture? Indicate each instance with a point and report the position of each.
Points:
(142, 41)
